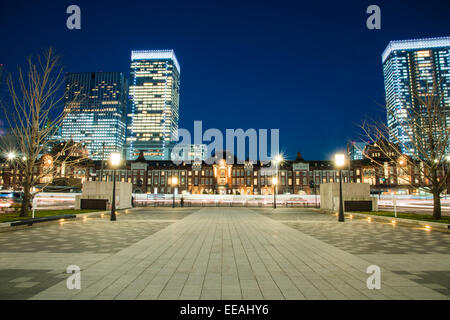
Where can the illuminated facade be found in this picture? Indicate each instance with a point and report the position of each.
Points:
(227, 175)
(411, 68)
(154, 91)
(96, 103)
(295, 177)
(249, 178)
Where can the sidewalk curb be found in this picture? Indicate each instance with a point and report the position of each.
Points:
(436, 226)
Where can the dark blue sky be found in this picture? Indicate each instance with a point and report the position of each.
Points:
(311, 69)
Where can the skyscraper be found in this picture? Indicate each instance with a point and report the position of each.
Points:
(154, 92)
(96, 103)
(189, 152)
(411, 68)
(355, 150)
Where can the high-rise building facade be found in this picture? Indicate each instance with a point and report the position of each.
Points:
(413, 68)
(54, 137)
(153, 114)
(96, 104)
(189, 152)
(355, 150)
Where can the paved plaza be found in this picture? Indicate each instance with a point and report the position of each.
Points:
(224, 253)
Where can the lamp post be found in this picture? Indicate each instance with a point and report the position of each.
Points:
(315, 195)
(174, 184)
(275, 189)
(11, 156)
(448, 168)
(278, 159)
(103, 158)
(115, 160)
(340, 160)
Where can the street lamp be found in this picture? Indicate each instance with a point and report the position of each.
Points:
(11, 156)
(174, 184)
(340, 160)
(278, 159)
(448, 160)
(115, 160)
(275, 183)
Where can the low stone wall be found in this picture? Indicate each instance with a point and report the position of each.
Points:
(104, 190)
(329, 195)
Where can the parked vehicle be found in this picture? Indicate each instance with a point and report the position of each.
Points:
(12, 199)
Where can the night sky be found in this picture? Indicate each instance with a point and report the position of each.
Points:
(311, 69)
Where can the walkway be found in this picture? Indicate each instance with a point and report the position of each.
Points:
(232, 253)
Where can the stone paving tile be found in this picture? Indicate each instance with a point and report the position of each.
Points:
(44, 253)
(23, 284)
(160, 213)
(58, 262)
(288, 214)
(393, 248)
(439, 281)
(375, 237)
(93, 236)
(236, 253)
(263, 259)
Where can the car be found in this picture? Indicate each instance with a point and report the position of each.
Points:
(12, 199)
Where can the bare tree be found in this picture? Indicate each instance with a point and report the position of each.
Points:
(36, 97)
(426, 126)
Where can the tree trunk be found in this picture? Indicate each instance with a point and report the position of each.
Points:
(436, 205)
(26, 200)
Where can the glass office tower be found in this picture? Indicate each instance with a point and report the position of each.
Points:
(413, 67)
(153, 114)
(189, 152)
(355, 150)
(96, 103)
